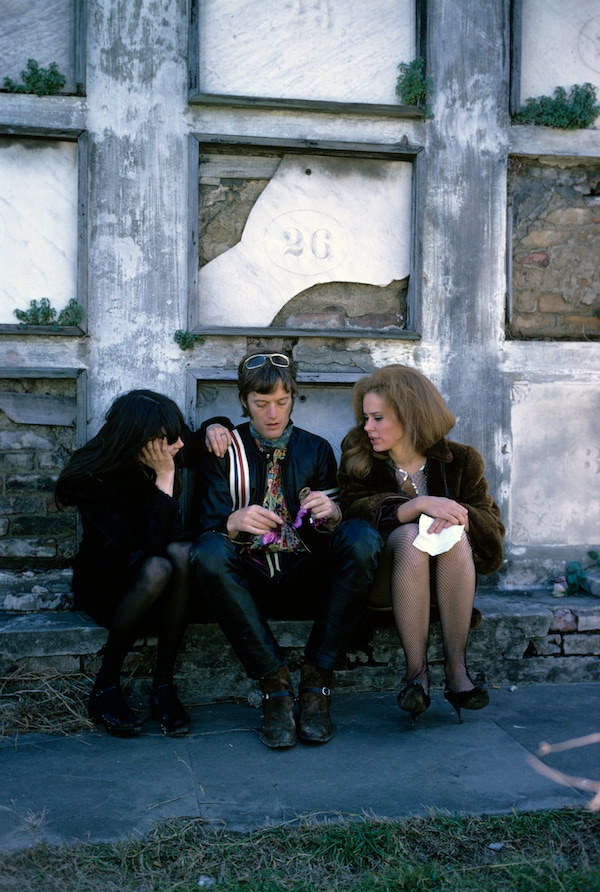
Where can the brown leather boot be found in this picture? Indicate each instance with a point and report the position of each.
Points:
(279, 726)
(315, 725)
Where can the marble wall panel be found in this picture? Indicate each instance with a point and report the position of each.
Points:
(560, 45)
(38, 224)
(322, 50)
(318, 220)
(555, 475)
(46, 36)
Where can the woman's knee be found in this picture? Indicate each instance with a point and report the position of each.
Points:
(155, 574)
(179, 554)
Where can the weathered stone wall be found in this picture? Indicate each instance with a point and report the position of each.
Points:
(555, 248)
(523, 639)
(128, 138)
(33, 534)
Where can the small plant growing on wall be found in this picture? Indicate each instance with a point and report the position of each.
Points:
(187, 339)
(565, 111)
(413, 86)
(41, 81)
(71, 315)
(43, 313)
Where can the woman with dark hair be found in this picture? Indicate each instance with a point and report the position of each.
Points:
(397, 467)
(131, 573)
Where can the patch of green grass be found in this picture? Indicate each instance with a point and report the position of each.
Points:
(556, 851)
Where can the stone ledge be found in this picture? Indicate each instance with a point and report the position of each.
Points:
(525, 637)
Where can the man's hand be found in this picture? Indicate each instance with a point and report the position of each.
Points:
(320, 507)
(218, 439)
(254, 519)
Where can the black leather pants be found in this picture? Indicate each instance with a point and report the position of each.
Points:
(329, 585)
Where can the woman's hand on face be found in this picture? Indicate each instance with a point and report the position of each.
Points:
(160, 455)
(218, 439)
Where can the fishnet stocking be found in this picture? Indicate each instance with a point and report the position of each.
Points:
(403, 580)
(455, 587)
(162, 584)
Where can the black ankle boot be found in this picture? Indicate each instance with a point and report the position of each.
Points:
(314, 724)
(108, 707)
(279, 726)
(167, 708)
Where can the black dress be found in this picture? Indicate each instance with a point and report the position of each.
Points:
(125, 519)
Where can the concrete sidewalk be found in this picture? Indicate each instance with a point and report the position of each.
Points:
(92, 787)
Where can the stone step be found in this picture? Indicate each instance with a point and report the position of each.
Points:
(525, 637)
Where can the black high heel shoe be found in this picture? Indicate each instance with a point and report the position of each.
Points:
(476, 698)
(167, 708)
(108, 707)
(412, 698)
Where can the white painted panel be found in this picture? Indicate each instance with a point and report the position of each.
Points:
(43, 31)
(38, 224)
(320, 50)
(561, 45)
(555, 480)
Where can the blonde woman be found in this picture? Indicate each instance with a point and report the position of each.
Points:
(396, 466)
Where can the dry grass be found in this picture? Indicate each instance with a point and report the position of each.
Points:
(540, 852)
(46, 702)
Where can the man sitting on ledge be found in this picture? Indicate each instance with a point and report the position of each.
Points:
(273, 545)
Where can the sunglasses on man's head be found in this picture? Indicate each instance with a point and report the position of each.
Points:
(277, 359)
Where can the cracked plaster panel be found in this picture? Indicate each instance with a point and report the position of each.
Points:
(322, 50)
(556, 466)
(38, 224)
(319, 220)
(560, 45)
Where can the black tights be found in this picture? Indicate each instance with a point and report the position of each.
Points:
(402, 580)
(162, 587)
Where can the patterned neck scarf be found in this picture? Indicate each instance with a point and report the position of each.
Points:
(285, 538)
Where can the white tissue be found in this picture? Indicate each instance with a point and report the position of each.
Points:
(436, 543)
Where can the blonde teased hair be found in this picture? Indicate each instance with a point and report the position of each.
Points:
(416, 402)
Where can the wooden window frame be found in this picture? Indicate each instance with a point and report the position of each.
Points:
(198, 97)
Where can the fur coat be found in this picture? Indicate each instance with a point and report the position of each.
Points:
(453, 470)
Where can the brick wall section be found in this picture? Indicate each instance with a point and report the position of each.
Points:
(33, 534)
(555, 249)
